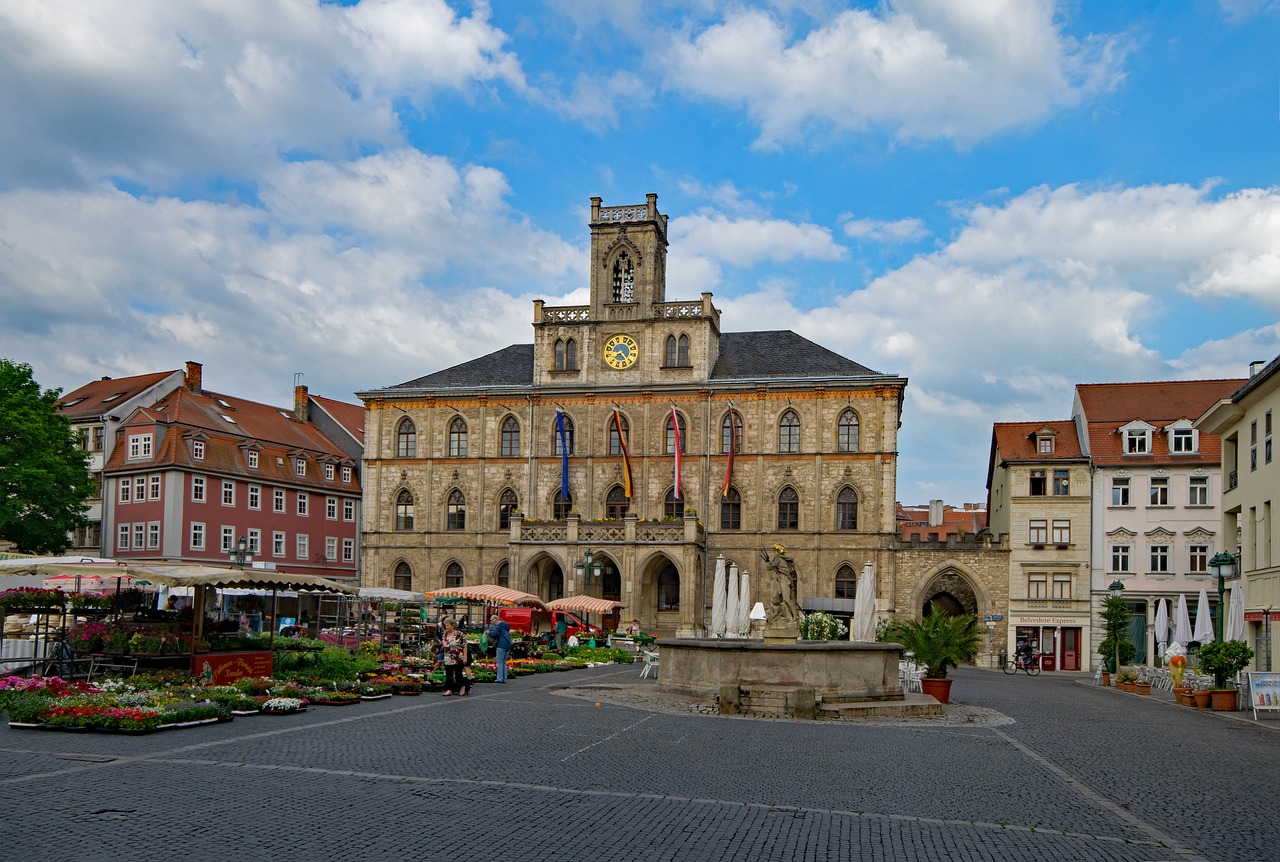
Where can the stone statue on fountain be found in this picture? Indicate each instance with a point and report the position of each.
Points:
(782, 616)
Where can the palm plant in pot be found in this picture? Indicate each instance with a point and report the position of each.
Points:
(940, 642)
(1224, 660)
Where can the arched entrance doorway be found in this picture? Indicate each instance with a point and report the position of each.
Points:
(953, 592)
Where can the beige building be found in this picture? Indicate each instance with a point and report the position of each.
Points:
(634, 428)
(1038, 495)
(1246, 422)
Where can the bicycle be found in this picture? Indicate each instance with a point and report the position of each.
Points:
(1030, 665)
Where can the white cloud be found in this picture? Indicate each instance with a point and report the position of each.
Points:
(746, 242)
(922, 68)
(902, 230)
(152, 90)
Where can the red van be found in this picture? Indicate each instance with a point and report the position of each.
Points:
(544, 622)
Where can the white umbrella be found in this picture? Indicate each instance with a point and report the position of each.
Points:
(1204, 623)
(1235, 617)
(718, 599)
(743, 625)
(864, 605)
(731, 605)
(1162, 626)
(1182, 625)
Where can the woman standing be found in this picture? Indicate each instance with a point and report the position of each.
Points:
(454, 650)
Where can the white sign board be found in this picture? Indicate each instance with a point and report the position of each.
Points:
(1264, 691)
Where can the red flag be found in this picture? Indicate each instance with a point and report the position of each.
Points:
(626, 458)
(675, 427)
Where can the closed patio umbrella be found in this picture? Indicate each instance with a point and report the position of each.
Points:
(1162, 626)
(718, 599)
(1182, 623)
(743, 627)
(1204, 622)
(864, 605)
(1235, 616)
(731, 596)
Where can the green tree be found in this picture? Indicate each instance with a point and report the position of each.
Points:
(44, 475)
(1115, 616)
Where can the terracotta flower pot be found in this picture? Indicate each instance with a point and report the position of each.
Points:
(1144, 688)
(1223, 699)
(939, 689)
(1201, 697)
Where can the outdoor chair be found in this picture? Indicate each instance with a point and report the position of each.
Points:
(650, 664)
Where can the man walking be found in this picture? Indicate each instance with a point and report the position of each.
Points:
(500, 636)
(562, 631)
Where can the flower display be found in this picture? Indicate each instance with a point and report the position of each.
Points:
(819, 626)
(282, 704)
(1177, 667)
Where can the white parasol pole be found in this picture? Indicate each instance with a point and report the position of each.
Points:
(718, 600)
(731, 606)
(743, 623)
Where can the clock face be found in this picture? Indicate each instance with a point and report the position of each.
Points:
(621, 351)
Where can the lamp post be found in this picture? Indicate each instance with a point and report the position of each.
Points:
(241, 554)
(1221, 564)
(585, 568)
(1116, 590)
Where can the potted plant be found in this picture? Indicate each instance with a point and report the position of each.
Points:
(940, 642)
(1224, 660)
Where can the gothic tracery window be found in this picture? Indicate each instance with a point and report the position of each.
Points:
(623, 279)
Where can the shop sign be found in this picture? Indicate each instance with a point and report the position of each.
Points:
(226, 668)
(1264, 691)
(1047, 621)
(1256, 616)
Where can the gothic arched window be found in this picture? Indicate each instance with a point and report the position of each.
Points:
(623, 279)
(682, 350)
(847, 509)
(731, 510)
(508, 502)
(788, 509)
(406, 439)
(731, 430)
(561, 505)
(504, 575)
(847, 432)
(402, 577)
(616, 503)
(668, 583)
(671, 435)
(789, 432)
(559, 366)
(615, 443)
(457, 438)
(510, 437)
(404, 510)
(568, 437)
(453, 575)
(673, 507)
(457, 511)
(669, 357)
(846, 582)
(570, 355)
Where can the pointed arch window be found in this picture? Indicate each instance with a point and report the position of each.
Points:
(556, 446)
(570, 355)
(731, 510)
(846, 582)
(623, 279)
(457, 438)
(504, 575)
(847, 432)
(788, 509)
(669, 357)
(615, 443)
(847, 509)
(789, 432)
(508, 502)
(731, 432)
(673, 506)
(668, 583)
(404, 510)
(453, 576)
(671, 435)
(406, 439)
(560, 356)
(510, 437)
(676, 354)
(402, 578)
(561, 505)
(457, 511)
(616, 503)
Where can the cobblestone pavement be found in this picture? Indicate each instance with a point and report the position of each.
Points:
(1019, 768)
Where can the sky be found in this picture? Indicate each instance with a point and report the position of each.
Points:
(996, 200)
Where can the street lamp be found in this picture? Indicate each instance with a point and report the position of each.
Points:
(241, 554)
(1116, 590)
(584, 568)
(1224, 566)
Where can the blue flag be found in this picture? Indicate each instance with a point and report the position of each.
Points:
(564, 455)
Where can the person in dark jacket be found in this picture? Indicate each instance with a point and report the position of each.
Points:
(500, 637)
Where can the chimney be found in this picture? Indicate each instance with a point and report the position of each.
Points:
(300, 402)
(195, 376)
(1256, 366)
(935, 513)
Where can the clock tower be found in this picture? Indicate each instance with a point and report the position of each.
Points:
(629, 334)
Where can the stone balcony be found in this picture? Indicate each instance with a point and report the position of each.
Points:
(629, 530)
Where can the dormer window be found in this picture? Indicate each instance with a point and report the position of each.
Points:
(328, 472)
(197, 449)
(1183, 439)
(299, 467)
(140, 446)
(252, 457)
(1137, 438)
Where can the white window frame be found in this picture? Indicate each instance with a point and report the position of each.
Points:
(255, 497)
(1158, 496)
(348, 550)
(348, 510)
(331, 549)
(254, 538)
(251, 459)
(154, 487)
(346, 475)
(328, 472)
(277, 501)
(1198, 558)
(331, 508)
(228, 539)
(196, 536)
(123, 532)
(1198, 487)
(197, 450)
(139, 536)
(139, 488)
(1122, 488)
(228, 492)
(139, 446)
(299, 467)
(153, 535)
(1137, 441)
(304, 504)
(126, 489)
(1158, 559)
(1179, 436)
(277, 543)
(1122, 559)
(302, 546)
(199, 489)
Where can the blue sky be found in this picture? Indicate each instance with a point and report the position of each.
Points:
(996, 200)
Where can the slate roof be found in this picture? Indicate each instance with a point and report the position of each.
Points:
(743, 356)
(102, 396)
(349, 416)
(1256, 380)
(1109, 406)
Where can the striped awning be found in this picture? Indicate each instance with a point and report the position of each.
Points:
(585, 604)
(489, 593)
